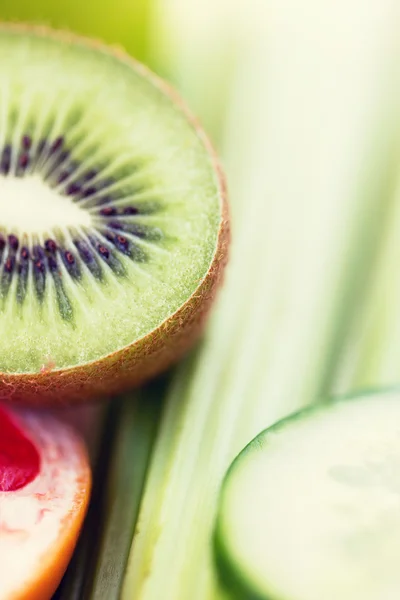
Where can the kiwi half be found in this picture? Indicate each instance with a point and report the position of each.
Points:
(113, 220)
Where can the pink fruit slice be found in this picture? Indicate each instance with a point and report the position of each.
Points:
(44, 491)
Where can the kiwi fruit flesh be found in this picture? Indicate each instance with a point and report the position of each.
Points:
(113, 220)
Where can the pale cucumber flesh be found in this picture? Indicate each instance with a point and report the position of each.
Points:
(310, 510)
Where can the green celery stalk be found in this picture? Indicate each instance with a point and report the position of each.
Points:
(130, 455)
(193, 43)
(308, 149)
(371, 351)
(121, 459)
(98, 434)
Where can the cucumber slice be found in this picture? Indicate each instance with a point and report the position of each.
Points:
(310, 509)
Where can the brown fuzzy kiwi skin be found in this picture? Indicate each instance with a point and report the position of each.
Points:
(153, 353)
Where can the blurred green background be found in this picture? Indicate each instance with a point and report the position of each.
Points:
(124, 22)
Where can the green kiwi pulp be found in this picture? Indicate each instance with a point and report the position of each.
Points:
(111, 206)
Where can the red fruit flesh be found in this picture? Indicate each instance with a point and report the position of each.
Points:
(44, 492)
(19, 459)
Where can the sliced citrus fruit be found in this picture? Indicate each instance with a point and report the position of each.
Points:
(44, 491)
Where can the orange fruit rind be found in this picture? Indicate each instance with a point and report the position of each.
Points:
(41, 521)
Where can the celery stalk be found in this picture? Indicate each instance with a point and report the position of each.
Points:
(135, 431)
(310, 181)
(98, 435)
(371, 354)
(193, 43)
(120, 463)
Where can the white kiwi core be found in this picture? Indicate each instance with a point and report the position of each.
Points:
(30, 206)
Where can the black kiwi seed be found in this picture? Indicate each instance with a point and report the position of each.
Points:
(88, 258)
(26, 142)
(50, 246)
(71, 264)
(96, 250)
(23, 273)
(6, 276)
(5, 162)
(2, 246)
(39, 271)
(109, 211)
(13, 242)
